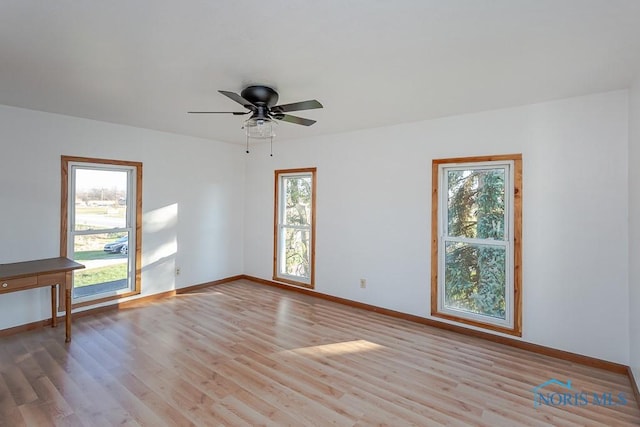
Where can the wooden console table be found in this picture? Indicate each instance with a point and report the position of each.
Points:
(20, 276)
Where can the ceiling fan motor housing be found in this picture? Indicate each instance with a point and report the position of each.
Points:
(260, 95)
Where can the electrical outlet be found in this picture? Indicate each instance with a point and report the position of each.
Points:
(177, 271)
(363, 283)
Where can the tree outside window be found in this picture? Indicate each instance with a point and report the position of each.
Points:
(294, 226)
(476, 245)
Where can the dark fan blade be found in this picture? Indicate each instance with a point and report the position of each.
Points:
(235, 113)
(240, 100)
(298, 106)
(294, 119)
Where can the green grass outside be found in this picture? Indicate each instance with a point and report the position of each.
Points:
(90, 255)
(115, 212)
(94, 276)
(95, 210)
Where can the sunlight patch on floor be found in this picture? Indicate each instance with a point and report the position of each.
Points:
(338, 348)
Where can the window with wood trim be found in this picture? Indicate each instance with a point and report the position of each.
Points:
(475, 244)
(101, 227)
(294, 226)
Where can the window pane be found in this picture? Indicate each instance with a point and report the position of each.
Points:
(295, 253)
(105, 256)
(476, 203)
(297, 210)
(100, 199)
(475, 278)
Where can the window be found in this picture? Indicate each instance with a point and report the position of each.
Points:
(101, 227)
(476, 231)
(294, 226)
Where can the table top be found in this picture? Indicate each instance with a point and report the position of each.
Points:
(40, 266)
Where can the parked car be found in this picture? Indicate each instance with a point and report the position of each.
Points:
(120, 245)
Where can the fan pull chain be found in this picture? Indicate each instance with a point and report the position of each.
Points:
(271, 146)
(247, 144)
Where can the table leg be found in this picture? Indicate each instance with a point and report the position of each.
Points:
(67, 318)
(54, 317)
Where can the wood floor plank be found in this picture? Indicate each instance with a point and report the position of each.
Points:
(10, 415)
(20, 388)
(245, 354)
(276, 416)
(34, 414)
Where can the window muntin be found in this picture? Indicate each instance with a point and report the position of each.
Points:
(475, 246)
(294, 226)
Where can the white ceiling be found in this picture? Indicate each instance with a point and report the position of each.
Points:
(370, 62)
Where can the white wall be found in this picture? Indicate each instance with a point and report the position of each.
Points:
(192, 196)
(373, 209)
(634, 228)
(373, 213)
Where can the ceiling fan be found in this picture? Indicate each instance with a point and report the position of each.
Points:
(261, 103)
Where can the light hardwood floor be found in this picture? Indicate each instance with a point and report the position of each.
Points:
(247, 354)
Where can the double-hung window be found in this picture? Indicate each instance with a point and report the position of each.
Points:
(101, 226)
(476, 230)
(294, 226)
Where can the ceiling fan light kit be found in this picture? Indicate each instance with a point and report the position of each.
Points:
(260, 128)
(260, 101)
